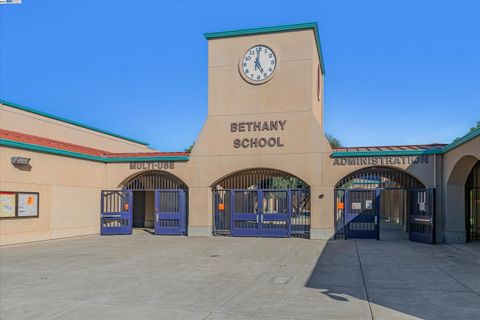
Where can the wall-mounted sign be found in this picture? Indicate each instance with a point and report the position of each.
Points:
(158, 165)
(368, 204)
(27, 204)
(422, 206)
(356, 206)
(384, 160)
(7, 204)
(258, 126)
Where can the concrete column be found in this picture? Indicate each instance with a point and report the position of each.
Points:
(200, 211)
(454, 218)
(322, 215)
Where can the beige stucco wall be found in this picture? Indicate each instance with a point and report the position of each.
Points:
(70, 188)
(290, 95)
(456, 166)
(69, 191)
(18, 120)
(69, 196)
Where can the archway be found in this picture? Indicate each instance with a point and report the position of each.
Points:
(160, 201)
(261, 202)
(472, 204)
(382, 191)
(459, 200)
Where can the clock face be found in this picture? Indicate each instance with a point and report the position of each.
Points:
(258, 64)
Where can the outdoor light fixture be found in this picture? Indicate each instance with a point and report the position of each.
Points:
(20, 161)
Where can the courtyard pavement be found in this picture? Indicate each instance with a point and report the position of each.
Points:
(159, 277)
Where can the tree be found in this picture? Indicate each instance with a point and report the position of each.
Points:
(477, 126)
(334, 142)
(189, 149)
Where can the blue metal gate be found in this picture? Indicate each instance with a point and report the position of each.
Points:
(170, 212)
(361, 218)
(421, 218)
(260, 213)
(116, 212)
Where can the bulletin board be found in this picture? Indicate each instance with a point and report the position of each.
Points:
(19, 204)
(8, 204)
(27, 204)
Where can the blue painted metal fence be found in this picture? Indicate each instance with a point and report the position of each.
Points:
(362, 213)
(116, 212)
(421, 219)
(260, 213)
(170, 212)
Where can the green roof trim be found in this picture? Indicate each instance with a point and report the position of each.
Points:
(78, 124)
(469, 136)
(78, 155)
(384, 153)
(274, 29)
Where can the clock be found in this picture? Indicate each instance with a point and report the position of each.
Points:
(258, 64)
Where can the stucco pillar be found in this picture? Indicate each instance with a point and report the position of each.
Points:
(322, 215)
(200, 211)
(454, 217)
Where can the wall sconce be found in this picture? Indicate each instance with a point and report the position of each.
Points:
(321, 196)
(16, 161)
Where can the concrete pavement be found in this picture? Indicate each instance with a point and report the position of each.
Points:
(160, 277)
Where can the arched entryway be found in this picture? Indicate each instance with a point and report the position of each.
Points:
(375, 198)
(261, 202)
(159, 201)
(459, 199)
(472, 204)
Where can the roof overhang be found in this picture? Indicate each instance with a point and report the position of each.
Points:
(265, 30)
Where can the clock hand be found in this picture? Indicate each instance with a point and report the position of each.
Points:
(257, 62)
(257, 65)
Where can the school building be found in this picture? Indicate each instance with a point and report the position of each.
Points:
(260, 167)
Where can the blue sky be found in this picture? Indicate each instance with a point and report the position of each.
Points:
(397, 72)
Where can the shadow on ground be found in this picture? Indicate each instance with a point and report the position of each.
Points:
(144, 276)
(400, 279)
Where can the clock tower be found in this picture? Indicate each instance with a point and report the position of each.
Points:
(265, 110)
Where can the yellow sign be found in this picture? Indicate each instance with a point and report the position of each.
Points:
(221, 206)
(340, 205)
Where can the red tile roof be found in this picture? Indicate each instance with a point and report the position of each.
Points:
(431, 146)
(147, 154)
(46, 142)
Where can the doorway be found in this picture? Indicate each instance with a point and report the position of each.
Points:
(377, 203)
(159, 202)
(261, 202)
(472, 204)
(143, 209)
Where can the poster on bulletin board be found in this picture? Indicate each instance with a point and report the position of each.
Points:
(27, 204)
(7, 204)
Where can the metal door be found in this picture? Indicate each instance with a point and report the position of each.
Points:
(221, 212)
(275, 213)
(260, 213)
(245, 206)
(300, 213)
(116, 212)
(339, 214)
(170, 212)
(362, 214)
(421, 219)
